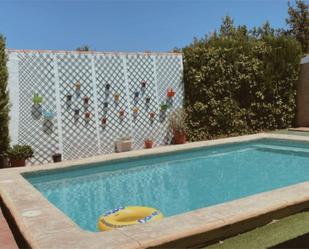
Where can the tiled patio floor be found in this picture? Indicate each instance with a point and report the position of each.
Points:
(7, 240)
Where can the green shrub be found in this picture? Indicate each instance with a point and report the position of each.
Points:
(20, 152)
(4, 101)
(239, 82)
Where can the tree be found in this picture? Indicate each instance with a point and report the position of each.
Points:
(4, 102)
(299, 23)
(227, 27)
(83, 48)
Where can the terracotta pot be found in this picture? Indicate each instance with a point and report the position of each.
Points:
(170, 93)
(152, 115)
(87, 115)
(116, 97)
(86, 101)
(121, 113)
(103, 121)
(57, 157)
(17, 162)
(148, 144)
(180, 137)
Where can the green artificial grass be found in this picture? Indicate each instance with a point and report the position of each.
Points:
(269, 235)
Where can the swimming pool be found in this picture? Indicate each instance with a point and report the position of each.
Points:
(176, 182)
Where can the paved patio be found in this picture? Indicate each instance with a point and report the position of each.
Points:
(7, 240)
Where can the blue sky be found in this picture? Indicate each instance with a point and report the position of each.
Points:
(126, 25)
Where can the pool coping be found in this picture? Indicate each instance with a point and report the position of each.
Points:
(45, 226)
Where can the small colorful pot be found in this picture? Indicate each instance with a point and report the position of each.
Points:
(152, 115)
(163, 107)
(107, 87)
(121, 114)
(147, 100)
(48, 115)
(69, 98)
(116, 97)
(76, 112)
(103, 121)
(86, 100)
(143, 84)
(37, 99)
(135, 111)
(87, 115)
(170, 93)
(136, 95)
(77, 86)
(148, 144)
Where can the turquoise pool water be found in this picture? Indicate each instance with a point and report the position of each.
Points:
(175, 183)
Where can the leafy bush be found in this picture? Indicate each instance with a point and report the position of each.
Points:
(239, 81)
(4, 101)
(20, 152)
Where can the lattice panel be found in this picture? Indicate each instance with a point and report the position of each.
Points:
(169, 75)
(111, 84)
(79, 135)
(140, 68)
(102, 77)
(36, 75)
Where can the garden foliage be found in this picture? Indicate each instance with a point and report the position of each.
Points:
(4, 101)
(239, 81)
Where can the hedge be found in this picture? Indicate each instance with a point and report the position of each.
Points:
(240, 82)
(4, 101)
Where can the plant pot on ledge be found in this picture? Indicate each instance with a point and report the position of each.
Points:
(124, 144)
(57, 157)
(18, 155)
(148, 143)
(180, 137)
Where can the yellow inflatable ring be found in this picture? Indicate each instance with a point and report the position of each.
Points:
(126, 216)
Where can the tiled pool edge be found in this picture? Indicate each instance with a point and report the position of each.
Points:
(44, 226)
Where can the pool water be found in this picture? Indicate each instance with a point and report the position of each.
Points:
(177, 182)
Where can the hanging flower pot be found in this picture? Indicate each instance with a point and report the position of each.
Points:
(152, 115)
(116, 97)
(76, 112)
(103, 121)
(69, 98)
(135, 112)
(87, 116)
(170, 93)
(48, 115)
(121, 114)
(143, 84)
(148, 143)
(105, 106)
(136, 95)
(107, 87)
(163, 107)
(77, 86)
(147, 100)
(37, 99)
(86, 101)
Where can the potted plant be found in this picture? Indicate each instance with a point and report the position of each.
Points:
(107, 87)
(18, 155)
(124, 144)
(136, 95)
(57, 157)
(148, 143)
(76, 112)
(69, 98)
(37, 99)
(177, 122)
(170, 93)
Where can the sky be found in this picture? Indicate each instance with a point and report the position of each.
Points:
(131, 25)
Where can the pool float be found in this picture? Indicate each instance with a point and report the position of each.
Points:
(126, 216)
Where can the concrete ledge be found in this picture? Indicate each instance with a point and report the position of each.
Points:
(45, 226)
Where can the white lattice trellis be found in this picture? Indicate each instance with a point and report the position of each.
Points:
(111, 81)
